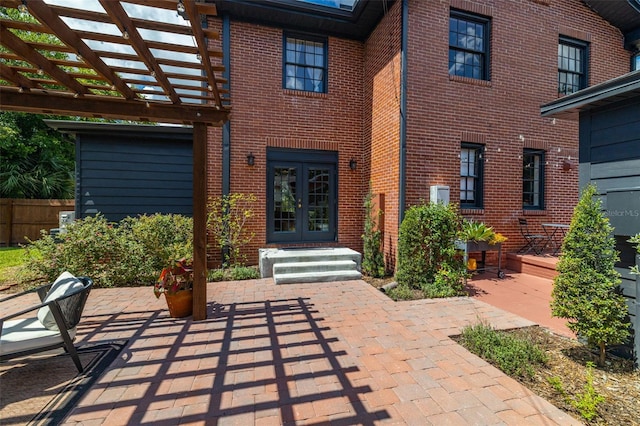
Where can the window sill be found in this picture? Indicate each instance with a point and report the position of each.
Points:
(527, 212)
(470, 211)
(468, 80)
(305, 94)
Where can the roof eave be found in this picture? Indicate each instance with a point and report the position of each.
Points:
(570, 106)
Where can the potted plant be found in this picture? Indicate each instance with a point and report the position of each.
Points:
(478, 236)
(176, 282)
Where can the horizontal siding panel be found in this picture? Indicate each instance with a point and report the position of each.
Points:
(616, 135)
(180, 176)
(627, 112)
(617, 183)
(131, 160)
(620, 169)
(141, 192)
(125, 175)
(121, 203)
(616, 152)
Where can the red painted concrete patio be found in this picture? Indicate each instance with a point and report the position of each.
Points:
(330, 353)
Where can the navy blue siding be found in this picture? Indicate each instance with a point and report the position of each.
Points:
(610, 133)
(122, 175)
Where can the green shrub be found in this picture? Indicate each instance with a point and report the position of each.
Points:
(372, 257)
(514, 356)
(234, 273)
(588, 400)
(164, 237)
(427, 257)
(131, 252)
(586, 289)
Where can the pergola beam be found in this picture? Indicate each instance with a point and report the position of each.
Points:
(109, 107)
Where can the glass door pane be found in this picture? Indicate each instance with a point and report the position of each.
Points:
(285, 199)
(318, 201)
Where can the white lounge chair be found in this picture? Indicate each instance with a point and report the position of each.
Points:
(54, 320)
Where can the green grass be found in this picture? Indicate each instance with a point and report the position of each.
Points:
(10, 258)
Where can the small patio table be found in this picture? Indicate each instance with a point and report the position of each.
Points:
(555, 235)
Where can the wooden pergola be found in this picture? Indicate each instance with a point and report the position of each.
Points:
(139, 60)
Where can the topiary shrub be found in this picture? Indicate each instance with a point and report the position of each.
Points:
(586, 290)
(427, 257)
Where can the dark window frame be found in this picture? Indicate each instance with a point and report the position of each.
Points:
(485, 52)
(583, 74)
(635, 61)
(478, 179)
(325, 66)
(540, 186)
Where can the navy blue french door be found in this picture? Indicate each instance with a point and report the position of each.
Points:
(302, 196)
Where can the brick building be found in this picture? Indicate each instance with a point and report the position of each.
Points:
(399, 96)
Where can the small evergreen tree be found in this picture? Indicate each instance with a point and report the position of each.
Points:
(372, 259)
(586, 290)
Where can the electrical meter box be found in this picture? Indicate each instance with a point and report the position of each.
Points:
(65, 218)
(439, 194)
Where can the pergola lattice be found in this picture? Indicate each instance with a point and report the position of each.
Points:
(139, 60)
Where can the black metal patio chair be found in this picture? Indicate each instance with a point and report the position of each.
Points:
(53, 324)
(534, 242)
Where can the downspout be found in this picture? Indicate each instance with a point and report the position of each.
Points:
(226, 128)
(403, 111)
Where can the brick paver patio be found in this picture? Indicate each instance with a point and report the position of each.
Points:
(329, 353)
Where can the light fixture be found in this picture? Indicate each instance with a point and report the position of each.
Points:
(153, 73)
(125, 35)
(353, 164)
(147, 104)
(251, 159)
(22, 7)
(76, 95)
(40, 71)
(210, 88)
(21, 90)
(180, 7)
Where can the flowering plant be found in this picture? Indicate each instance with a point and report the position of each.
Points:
(175, 278)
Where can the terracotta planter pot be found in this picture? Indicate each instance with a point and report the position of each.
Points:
(180, 304)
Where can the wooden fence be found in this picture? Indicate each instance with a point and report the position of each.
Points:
(21, 219)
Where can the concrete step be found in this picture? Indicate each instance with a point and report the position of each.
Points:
(316, 266)
(314, 277)
(272, 256)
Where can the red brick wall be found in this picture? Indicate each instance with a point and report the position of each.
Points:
(360, 115)
(266, 115)
(504, 113)
(382, 121)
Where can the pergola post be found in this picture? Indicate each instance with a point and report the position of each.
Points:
(199, 221)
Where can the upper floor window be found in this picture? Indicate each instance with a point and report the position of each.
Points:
(471, 176)
(572, 65)
(635, 62)
(468, 45)
(305, 63)
(533, 179)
